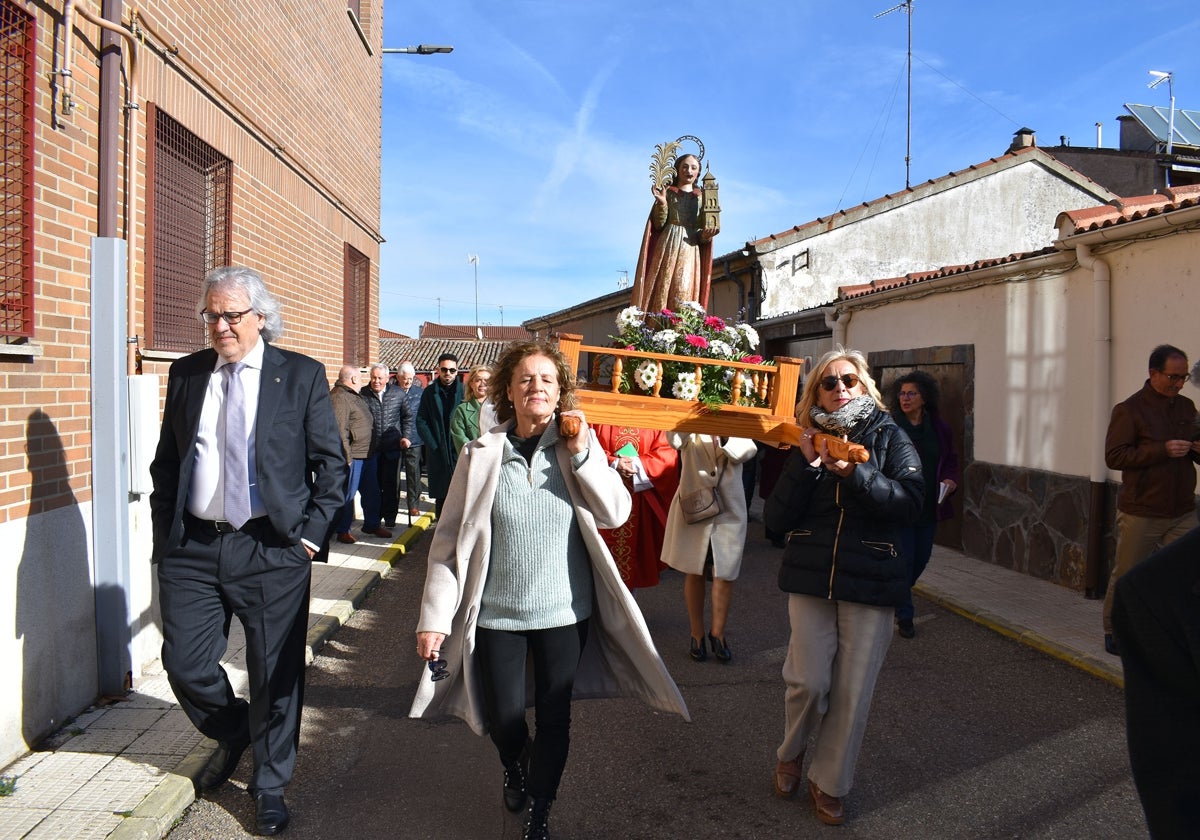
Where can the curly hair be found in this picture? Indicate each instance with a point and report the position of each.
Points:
(808, 396)
(502, 374)
(251, 282)
(931, 394)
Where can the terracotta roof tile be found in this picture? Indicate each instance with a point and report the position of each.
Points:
(883, 284)
(1124, 210)
(423, 352)
(467, 332)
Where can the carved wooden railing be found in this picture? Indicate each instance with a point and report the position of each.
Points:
(775, 385)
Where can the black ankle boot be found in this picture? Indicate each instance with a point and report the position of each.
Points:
(516, 779)
(535, 825)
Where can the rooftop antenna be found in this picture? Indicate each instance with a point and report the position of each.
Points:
(1167, 76)
(906, 7)
(623, 283)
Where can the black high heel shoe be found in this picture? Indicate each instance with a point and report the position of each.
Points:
(699, 652)
(719, 648)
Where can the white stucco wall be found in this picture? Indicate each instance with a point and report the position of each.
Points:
(47, 598)
(1034, 342)
(1004, 212)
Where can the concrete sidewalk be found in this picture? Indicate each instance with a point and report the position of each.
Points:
(124, 770)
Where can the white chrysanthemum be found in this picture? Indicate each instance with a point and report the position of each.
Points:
(630, 316)
(692, 305)
(731, 332)
(685, 387)
(665, 338)
(646, 375)
(720, 349)
(750, 334)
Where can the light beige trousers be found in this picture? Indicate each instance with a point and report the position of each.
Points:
(1137, 538)
(834, 656)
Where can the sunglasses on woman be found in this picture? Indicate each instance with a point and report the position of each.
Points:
(848, 379)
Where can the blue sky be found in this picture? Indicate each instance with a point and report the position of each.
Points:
(529, 145)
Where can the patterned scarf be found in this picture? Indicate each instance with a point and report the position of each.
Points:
(845, 419)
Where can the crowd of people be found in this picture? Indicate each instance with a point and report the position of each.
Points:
(547, 527)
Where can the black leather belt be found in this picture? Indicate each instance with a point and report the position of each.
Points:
(220, 526)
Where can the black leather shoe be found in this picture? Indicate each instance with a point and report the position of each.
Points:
(720, 648)
(221, 765)
(907, 629)
(1110, 645)
(698, 652)
(270, 814)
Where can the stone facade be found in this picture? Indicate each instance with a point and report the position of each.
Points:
(1032, 521)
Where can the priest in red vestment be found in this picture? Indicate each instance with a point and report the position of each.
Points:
(650, 468)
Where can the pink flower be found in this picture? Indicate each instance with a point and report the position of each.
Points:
(697, 341)
(714, 322)
(630, 347)
(667, 313)
(752, 360)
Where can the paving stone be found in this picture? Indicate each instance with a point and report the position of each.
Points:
(15, 823)
(77, 825)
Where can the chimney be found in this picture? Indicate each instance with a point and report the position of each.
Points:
(1023, 138)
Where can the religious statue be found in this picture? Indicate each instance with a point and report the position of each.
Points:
(675, 262)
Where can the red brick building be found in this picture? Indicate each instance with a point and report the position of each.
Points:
(190, 134)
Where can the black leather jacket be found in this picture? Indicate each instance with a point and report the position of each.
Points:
(386, 415)
(842, 540)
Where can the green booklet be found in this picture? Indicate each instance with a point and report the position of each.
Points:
(627, 451)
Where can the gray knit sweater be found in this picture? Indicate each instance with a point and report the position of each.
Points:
(539, 574)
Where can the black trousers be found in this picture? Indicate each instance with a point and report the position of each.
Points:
(411, 460)
(501, 657)
(389, 490)
(203, 583)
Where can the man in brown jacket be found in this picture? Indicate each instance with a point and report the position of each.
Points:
(1152, 441)
(357, 427)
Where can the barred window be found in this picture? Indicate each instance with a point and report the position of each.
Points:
(355, 7)
(189, 218)
(17, 39)
(356, 309)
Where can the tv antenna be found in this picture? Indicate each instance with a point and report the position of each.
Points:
(623, 283)
(907, 8)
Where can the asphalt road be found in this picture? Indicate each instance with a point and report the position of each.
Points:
(971, 736)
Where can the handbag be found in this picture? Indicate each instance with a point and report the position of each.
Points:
(700, 504)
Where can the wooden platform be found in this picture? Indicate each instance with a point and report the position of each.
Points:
(776, 384)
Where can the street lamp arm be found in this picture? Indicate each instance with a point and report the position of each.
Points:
(419, 49)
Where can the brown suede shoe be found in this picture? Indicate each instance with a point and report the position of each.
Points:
(829, 808)
(788, 776)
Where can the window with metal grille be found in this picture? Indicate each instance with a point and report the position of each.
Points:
(18, 38)
(189, 216)
(356, 309)
(355, 7)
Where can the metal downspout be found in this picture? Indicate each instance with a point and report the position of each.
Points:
(110, 80)
(1101, 408)
(837, 320)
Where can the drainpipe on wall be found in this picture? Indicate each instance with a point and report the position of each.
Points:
(1101, 407)
(837, 320)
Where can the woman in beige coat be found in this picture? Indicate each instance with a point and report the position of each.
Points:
(708, 462)
(517, 568)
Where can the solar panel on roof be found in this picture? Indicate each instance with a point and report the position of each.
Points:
(1155, 119)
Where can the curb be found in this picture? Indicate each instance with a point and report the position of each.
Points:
(166, 804)
(1078, 659)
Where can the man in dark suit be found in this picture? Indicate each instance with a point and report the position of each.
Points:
(1156, 619)
(248, 475)
(438, 401)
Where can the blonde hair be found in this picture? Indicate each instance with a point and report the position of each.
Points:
(475, 371)
(812, 384)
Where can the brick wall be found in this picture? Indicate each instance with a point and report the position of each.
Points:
(288, 92)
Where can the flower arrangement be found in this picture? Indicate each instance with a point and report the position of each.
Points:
(690, 331)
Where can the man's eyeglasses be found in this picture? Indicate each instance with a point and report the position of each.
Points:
(231, 318)
(448, 370)
(1181, 378)
(829, 383)
(438, 669)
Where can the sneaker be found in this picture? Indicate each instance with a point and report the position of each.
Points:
(907, 631)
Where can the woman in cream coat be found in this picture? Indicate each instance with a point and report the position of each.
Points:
(707, 461)
(618, 657)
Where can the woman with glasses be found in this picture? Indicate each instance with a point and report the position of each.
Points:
(464, 423)
(518, 577)
(843, 570)
(915, 407)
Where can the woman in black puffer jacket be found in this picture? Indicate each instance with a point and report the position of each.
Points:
(844, 572)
